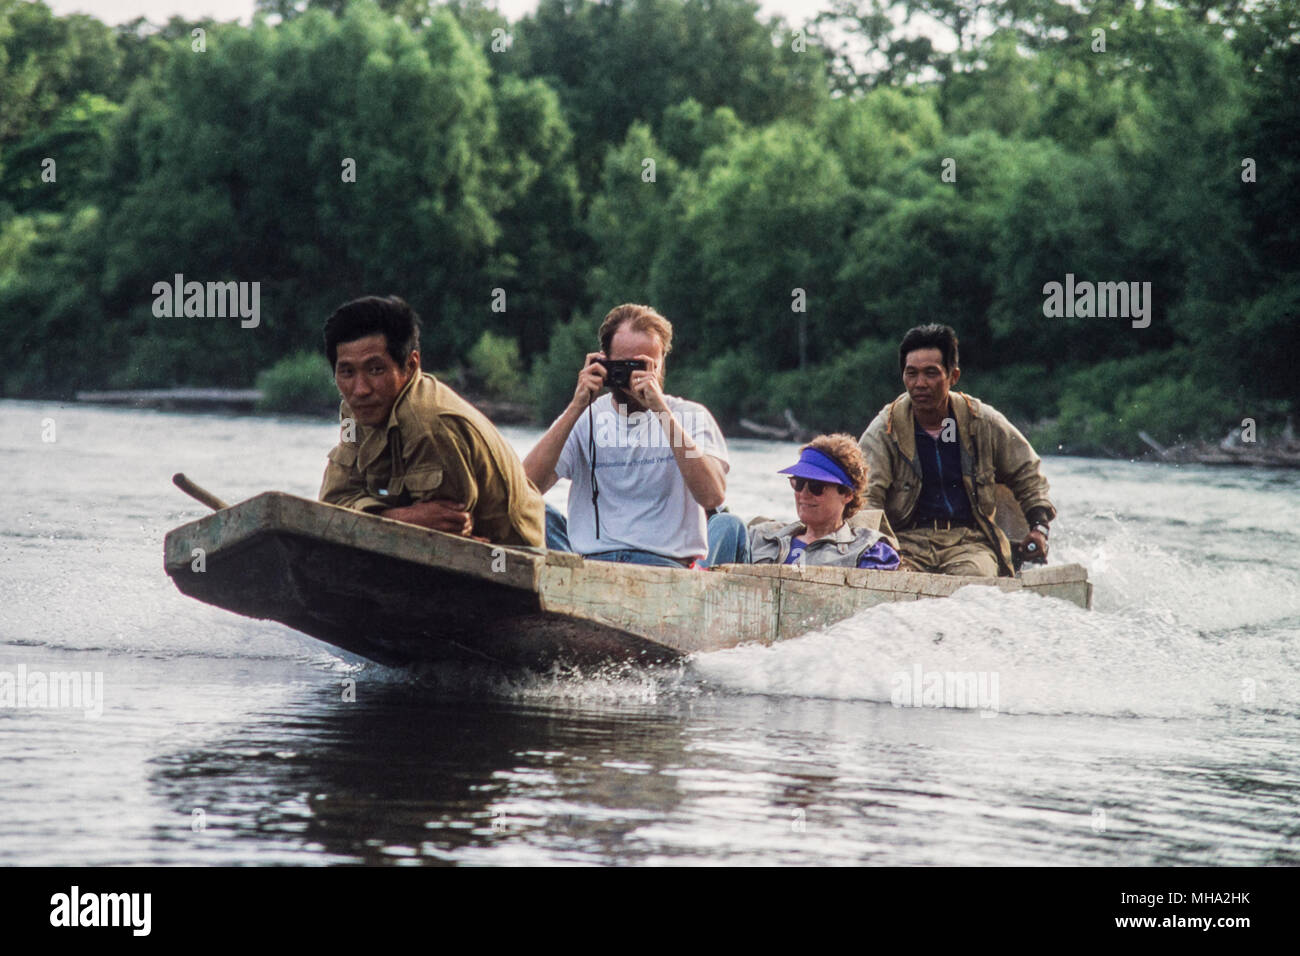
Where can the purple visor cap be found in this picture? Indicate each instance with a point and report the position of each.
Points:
(813, 464)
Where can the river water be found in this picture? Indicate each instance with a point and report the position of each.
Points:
(1162, 727)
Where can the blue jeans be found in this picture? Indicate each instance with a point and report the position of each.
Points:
(728, 543)
(728, 540)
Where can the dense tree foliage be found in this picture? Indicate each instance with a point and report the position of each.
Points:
(793, 197)
(623, 61)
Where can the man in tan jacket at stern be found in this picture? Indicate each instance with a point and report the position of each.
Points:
(936, 457)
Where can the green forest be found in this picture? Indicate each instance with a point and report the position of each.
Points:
(792, 196)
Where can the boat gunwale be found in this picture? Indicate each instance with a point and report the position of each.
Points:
(272, 512)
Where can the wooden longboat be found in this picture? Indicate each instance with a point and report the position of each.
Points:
(400, 594)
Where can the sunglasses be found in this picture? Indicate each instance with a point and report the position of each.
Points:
(814, 487)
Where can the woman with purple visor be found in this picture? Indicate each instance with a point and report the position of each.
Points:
(829, 482)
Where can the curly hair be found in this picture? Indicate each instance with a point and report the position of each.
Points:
(848, 455)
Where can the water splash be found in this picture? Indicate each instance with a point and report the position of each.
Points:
(1047, 657)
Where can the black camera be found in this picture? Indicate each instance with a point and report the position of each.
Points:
(618, 372)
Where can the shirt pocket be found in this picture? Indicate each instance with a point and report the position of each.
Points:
(344, 454)
(899, 496)
(419, 483)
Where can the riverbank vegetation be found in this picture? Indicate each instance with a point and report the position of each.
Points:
(792, 196)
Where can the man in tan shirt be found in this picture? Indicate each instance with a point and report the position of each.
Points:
(411, 449)
(937, 456)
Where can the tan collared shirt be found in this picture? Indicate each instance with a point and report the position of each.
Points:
(436, 445)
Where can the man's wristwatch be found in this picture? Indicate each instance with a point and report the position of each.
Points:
(1041, 529)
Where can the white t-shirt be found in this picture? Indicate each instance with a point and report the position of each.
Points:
(643, 498)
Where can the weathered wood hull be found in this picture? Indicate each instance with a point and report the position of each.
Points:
(399, 594)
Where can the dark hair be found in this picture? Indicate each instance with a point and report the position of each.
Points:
(388, 315)
(642, 318)
(941, 337)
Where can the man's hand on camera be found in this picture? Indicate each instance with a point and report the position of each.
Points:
(590, 381)
(644, 385)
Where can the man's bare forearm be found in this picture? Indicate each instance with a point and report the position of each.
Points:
(702, 473)
(400, 514)
(539, 464)
(439, 515)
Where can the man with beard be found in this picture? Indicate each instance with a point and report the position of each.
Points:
(936, 457)
(645, 467)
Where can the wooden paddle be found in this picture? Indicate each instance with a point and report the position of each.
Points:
(200, 495)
